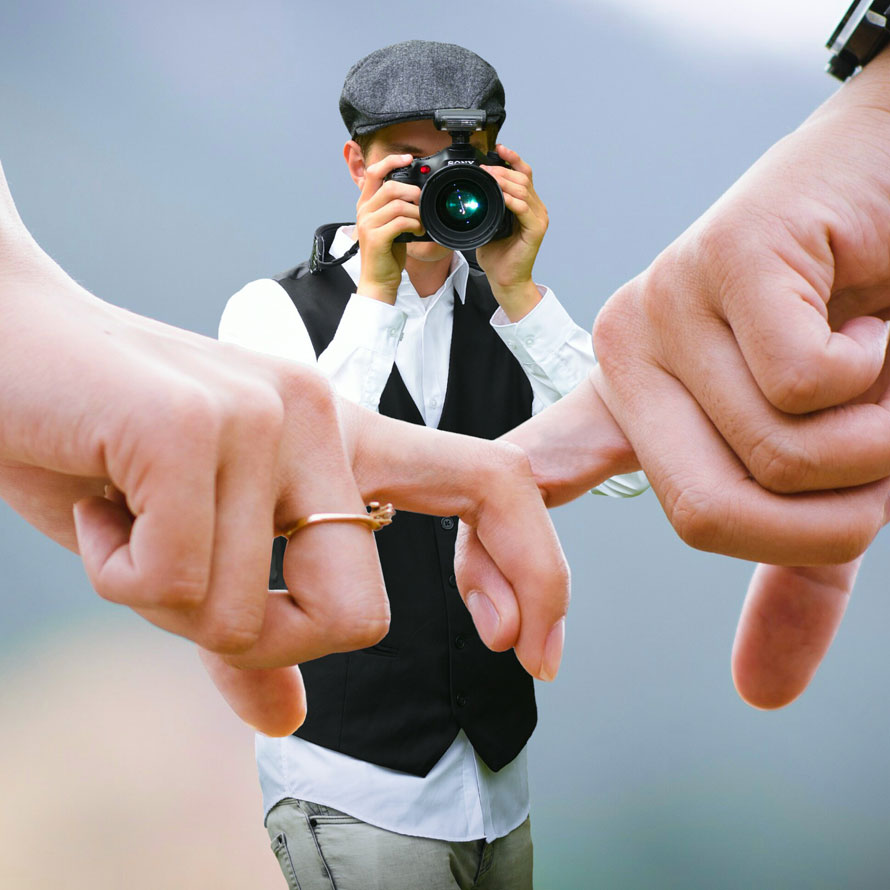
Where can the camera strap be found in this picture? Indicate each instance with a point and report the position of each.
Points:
(320, 241)
(317, 265)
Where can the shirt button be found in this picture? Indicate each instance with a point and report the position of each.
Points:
(434, 403)
(460, 641)
(448, 523)
(452, 581)
(461, 699)
(529, 341)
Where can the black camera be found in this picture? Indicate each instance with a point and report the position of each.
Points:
(461, 206)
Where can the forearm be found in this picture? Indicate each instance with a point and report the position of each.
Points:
(34, 295)
(52, 332)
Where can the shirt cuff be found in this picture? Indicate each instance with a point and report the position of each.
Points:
(370, 324)
(628, 485)
(359, 359)
(538, 335)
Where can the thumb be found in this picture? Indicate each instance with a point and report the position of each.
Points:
(271, 700)
(103, 527)
(488, 595)
(788, 622)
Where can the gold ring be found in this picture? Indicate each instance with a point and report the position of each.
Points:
(379, 517)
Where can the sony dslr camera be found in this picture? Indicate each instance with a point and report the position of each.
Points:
(461, 206)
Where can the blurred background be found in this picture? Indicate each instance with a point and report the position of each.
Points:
(167, 153)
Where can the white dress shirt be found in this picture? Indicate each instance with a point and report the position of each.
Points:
(460, 798)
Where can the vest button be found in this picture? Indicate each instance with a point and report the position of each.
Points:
(461, 699)
(452, 581)
(460, 641)
(448, 523)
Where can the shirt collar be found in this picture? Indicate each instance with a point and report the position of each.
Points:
(457, 276)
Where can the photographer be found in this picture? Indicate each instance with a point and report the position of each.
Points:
(411, 765)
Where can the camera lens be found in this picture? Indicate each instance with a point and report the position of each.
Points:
(461, 206)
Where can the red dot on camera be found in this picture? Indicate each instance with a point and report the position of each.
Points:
(425, 169)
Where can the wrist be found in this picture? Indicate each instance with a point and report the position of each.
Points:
(375, 290)
(517, 300)
(868, 91)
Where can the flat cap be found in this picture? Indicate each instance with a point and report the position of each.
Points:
(411, 80)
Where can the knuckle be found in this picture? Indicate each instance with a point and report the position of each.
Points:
(512, 462)
(230, 633)
(697, 517)
(258, 412)
(793, 388)
(615, 323)
(644, 311)
(662, 290)
(555, 577)
(713, 241)
(178, 593)
(357, 631)
(392, 189)
(780, 462)
(313, 390)
(194, 408)
(850, 546)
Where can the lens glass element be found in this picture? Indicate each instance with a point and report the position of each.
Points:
(461, 205)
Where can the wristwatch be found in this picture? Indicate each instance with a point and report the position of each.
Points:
(861, 34)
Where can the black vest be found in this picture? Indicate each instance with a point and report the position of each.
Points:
(400, 704)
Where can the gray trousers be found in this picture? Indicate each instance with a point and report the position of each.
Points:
(319, 848)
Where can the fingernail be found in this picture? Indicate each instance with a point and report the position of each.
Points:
(553, 650)
(485, 615)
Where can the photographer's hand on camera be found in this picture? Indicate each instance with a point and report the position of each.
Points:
(384, 211)
(508, 262)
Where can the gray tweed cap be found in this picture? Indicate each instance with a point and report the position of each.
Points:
(409, 81)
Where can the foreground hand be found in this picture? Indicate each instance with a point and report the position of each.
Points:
(514, 564)
(790, 615)
(213, 448)
(723, 360)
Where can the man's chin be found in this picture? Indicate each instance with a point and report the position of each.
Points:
(427, 251)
